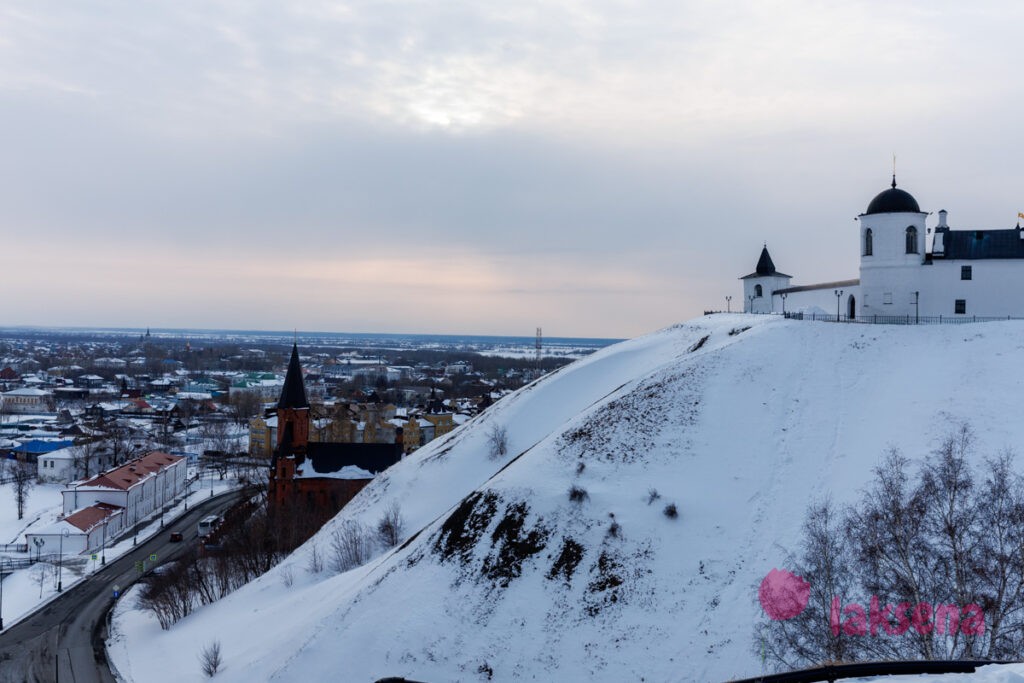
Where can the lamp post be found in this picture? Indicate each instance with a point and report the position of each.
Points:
(2, 594)
(839, 295)
(728, 304)
(750, 298)
(39, 543)
(783, 295)
(64, 533)
(917, 310)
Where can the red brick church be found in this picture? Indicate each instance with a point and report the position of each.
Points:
(323, 476)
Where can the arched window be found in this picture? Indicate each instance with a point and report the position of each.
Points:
(869, 242)
(911, 240)
(758, 292)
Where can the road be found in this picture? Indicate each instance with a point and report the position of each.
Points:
(57, 643)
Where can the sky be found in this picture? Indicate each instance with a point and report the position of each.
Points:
(600, 169)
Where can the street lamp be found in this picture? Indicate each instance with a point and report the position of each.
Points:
(783, 295)
(839, 295)
(728, 304)
(1, 595)
(39, 543)
(917, 299)
(64, 533)
(750, 298)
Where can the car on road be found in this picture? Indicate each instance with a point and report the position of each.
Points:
(176, 536)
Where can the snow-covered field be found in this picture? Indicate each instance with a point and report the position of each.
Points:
(41, 509)
(738, 420)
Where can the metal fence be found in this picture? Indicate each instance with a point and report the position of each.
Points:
(888, 319)
(13, 547)
(836, 672)
(901, 319)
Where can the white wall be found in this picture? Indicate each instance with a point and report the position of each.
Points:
(762, 304)
(820, 301)
(996, 288)
(55, 468)
(890, 276)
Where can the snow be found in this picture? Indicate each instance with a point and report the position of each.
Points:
(347, 472)
(740, 430)
(42, 508)
(28, 589)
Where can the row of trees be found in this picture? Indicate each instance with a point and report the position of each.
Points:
(251, 548)
(927, 547)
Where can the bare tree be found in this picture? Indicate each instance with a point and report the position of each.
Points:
(210, 659)
(222, 442)
(935, 553)
(84, 455)
(122, 442)
(350, 546)
(315, 561)
(22, 477)
(497, 441)
(247, 404)
(390, 527)
(41, 573)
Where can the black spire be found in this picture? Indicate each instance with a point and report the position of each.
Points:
(764, 264)
(293, 395)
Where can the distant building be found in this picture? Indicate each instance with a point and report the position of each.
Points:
(27, 401)
(99, 508)
(140, 486)
(323, 475)
(262, 436)
(907, 270)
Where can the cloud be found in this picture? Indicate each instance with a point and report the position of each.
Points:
(603, 164)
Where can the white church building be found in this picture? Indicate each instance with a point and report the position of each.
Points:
(907, 271)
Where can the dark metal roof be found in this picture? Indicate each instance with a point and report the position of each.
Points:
(372, 457)
(293, 394)
(893, 200)
(980, 244)
(765, 266)
(820, 285)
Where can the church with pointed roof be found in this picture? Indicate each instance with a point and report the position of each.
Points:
(320, 475)
(908, 271)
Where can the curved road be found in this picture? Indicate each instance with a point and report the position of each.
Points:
(57, 643)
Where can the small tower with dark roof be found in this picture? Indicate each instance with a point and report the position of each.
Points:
(292, 433)
(760, 286)
(892, 251)
(293, 410)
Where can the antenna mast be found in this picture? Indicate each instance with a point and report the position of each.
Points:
(538, 346)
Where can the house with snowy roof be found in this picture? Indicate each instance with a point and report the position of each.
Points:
(87, 530)
(27, 401)
(140, 487)
(907, 270)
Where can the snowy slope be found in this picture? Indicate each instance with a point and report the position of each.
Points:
(506, 578)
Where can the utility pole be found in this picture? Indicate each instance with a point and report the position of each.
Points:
(538, 346)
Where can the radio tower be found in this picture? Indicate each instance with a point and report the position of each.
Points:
(538, 347)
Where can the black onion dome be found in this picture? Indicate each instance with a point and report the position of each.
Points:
(893, 200)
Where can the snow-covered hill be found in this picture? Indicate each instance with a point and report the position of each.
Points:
(738, 420)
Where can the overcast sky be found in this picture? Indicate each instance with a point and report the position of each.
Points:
(594, 168)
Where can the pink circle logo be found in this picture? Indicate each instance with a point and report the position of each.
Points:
(783, 594)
